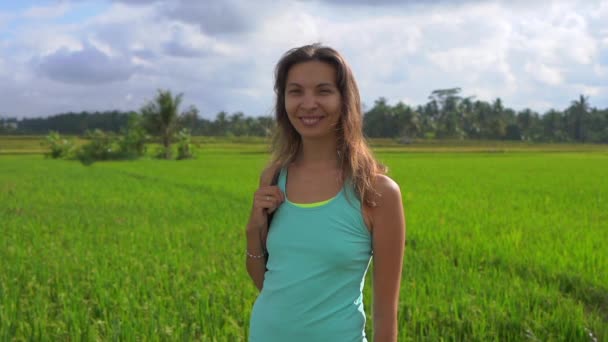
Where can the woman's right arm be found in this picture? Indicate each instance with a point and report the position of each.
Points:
(265, 200)
(256, 267)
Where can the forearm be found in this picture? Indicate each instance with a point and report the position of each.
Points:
(385, 330)
(256, 267)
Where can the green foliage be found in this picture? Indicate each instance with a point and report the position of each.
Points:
(101, 146)
(59, 147)
(447, 115)
(163, 152)
(184, 145)
(72, 123)
(118, 252)
(132, 142)
(160, 116)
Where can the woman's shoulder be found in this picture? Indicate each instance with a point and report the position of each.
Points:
(387, 194)
(386, 197)
(386, 189)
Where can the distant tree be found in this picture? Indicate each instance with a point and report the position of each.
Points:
(470, 125)
(448, 118)
(498, 123)
(238, 124)
(408, 122)
(161, 117)
(427, 120)
(577, 118)
(8, 125)
(266, 124)
(598, 125)
(553, 126)
(379, 121)
(221, 123)
(189, 119)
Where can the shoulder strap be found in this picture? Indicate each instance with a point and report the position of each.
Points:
(281, 179)
(277, 179)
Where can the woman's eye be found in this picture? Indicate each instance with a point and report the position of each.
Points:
(294, 91)
(325, 91)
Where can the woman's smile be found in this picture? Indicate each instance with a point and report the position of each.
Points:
(311, 121)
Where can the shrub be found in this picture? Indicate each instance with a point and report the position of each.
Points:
(102, 146)
(184, 144)
(59, 147)
(132, 143)
(162, 152)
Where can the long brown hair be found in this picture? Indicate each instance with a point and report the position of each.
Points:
(358, 163)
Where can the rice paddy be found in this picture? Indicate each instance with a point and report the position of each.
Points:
(501, 246)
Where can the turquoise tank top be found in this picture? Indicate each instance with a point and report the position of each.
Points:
(317, 261)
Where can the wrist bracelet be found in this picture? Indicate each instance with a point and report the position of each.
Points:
(249, 255)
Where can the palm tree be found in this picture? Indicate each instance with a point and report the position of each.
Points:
(161, 117)
(450, 118)
(498, 124)
(579, 111)
(524, 121)
(407, 121)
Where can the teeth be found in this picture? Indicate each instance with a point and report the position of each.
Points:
(311, 120)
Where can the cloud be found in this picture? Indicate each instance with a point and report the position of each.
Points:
(221, 54)
(395, 2)
(214, 16)
(47, 12)
(544, 74)
(86, 66)
(187, 41)
(137, 2)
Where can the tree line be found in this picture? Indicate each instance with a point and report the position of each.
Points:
(447, 115)
(159, 117)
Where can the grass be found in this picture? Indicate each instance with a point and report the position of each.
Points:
(501, 246)
(32, 144)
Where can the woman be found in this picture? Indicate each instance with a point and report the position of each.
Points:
(332, 208)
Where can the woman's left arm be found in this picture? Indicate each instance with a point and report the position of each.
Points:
(388, 234)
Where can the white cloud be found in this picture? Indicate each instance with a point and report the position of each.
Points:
(47, 12)
(544, 74)
(589, 90)
(44, 40)
(529, 54)
(188, 41)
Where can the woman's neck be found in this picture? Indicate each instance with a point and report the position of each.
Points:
(317, 152)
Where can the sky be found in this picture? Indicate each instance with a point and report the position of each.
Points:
(73, 55)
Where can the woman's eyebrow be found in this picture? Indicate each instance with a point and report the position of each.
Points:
(294, 84)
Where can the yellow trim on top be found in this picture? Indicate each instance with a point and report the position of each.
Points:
(311, 205)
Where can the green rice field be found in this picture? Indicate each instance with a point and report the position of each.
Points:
(505, 242)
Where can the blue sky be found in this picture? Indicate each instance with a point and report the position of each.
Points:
(73, 55)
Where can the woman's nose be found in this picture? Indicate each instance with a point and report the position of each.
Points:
(309, 101)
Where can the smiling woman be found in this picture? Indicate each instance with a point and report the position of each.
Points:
(332, 206)
(312, 100)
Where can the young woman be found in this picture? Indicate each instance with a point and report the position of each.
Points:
(332, 208)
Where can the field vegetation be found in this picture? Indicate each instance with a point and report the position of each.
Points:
(506, 241)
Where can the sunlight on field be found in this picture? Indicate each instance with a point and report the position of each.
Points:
(501, 246)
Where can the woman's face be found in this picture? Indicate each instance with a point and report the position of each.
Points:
(312, 99)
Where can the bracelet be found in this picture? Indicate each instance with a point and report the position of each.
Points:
(249, 255)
